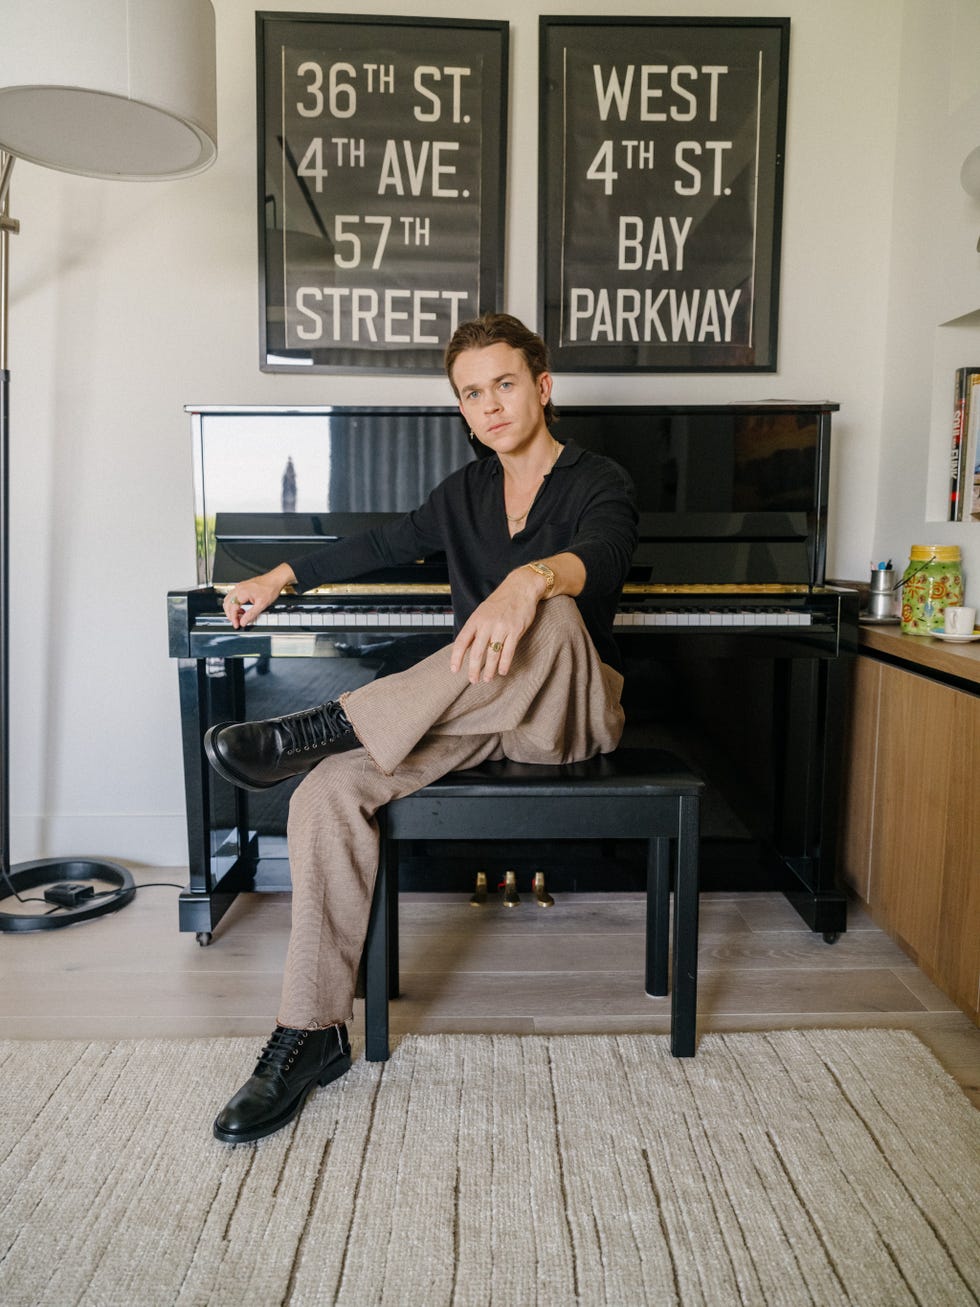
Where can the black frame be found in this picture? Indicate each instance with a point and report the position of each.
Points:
(641, 269)
(405, 120)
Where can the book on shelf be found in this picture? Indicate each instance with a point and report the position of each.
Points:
(971, 453)
(960, 470)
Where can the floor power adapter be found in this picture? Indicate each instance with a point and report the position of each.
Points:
(68, 893)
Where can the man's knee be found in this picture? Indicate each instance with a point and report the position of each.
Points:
(558, 620)
(338, 788)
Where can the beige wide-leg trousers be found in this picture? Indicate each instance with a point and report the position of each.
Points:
(558, 703)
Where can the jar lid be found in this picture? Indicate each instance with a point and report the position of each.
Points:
(941, 553)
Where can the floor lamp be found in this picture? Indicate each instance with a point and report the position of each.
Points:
(120, 89)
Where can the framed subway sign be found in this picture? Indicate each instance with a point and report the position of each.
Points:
(381, 152)
(661, 166)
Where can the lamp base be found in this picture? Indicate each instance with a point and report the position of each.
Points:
(49, 871)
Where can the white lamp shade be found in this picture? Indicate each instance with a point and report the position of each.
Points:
(970, 173)
(109, 88)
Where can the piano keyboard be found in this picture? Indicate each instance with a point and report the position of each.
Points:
(336, 617)
(429, 617)
(712, 617)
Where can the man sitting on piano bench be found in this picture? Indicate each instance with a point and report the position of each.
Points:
(538, 538)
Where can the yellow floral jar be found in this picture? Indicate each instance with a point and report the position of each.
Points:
(932, 582)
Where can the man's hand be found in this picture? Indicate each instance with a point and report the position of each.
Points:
(489, 640)
(258, 594)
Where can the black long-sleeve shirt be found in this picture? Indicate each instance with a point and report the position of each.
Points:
(586, 506)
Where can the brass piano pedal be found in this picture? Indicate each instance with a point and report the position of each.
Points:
(540, 893)
(511, 896)
(479, 896)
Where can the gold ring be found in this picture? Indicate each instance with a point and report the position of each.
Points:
(496, 646)
(232, 596)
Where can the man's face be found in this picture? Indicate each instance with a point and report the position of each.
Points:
(498, 397)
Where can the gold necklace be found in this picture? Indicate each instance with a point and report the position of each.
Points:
(521, 516)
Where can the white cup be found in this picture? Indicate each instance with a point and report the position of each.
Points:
(960, 621)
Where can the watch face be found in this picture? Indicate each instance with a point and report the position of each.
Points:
(544, 570)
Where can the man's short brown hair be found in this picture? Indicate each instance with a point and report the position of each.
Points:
(495, 329)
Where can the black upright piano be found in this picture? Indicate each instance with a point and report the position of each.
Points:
(736, 652)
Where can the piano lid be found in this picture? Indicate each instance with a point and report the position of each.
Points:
(271, 483)
(728, 494)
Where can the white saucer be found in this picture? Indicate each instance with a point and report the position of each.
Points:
(955, 639)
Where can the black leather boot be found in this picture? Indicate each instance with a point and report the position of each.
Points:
(288, 1067)
(257, 755)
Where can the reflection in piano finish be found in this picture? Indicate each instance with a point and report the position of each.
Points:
(735, 651)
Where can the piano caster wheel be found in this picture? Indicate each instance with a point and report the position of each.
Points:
(479, 895)
(511, 896)
(831, 936)
(540, 893)
(204, 938)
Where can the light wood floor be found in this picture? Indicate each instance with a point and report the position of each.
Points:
(576, 967)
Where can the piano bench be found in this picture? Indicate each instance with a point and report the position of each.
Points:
(630, 794)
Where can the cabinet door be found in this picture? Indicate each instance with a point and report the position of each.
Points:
(924, 843)
(958, 954)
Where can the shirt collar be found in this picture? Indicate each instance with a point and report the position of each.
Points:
(571, 453)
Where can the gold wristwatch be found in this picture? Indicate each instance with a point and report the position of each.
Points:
(544, 570)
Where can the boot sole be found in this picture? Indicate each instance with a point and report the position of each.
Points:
(330, 1073)
(226, 773)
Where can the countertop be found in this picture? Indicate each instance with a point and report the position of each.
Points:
(962, 660)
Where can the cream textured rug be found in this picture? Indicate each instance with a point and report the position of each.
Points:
(815, 1167)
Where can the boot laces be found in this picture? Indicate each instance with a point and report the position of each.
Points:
(282, 1048)
(314, 728)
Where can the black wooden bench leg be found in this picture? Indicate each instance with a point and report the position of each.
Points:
(658, 915)
(391, 895)
(683, 1014)
(377, 953)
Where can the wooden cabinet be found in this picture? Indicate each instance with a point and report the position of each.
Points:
(911, 811)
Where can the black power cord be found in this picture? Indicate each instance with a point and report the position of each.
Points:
(146, 884)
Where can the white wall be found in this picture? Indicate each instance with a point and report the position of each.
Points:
(934, 281)
(129, 301)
